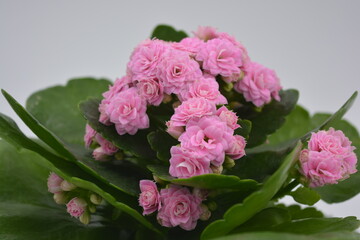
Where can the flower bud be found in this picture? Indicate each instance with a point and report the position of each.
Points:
(92, 208)
(217, 170)
(85, 218)
(212, 206)
(167, 98)
(229, 162)
(200, 193)
(95, 199)
(53, 183)
(119, 155)
(67, 186)
(76, 207)
(158, 180)
(60, 198)
(206, 214)
(176, 104)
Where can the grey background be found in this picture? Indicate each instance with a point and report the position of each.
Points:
(312, 45)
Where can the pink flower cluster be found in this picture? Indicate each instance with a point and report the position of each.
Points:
(206, 135)
(105, 149)
(187, 69)
(329, 158)
(176, 205)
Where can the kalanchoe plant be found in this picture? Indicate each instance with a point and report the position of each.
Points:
(196, 141)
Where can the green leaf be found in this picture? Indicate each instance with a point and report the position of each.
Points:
(136, 144)
(318, 225)
(334, 117)
(270, 118)
(161, 142)
(245, 128)
(296, 212)
(305, 196)
(241, 212)
(73, 173)
(28, 211)
(124, 182)
(205, 181)
(289, 236)
(297, 123)
(56, 108)
(264, 219)
(168, 33)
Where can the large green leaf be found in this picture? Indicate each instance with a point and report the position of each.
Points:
(126, 182)
(136, 144)
(28, 211)
(56, 108)
(168, 33)
(269, 118)
(289, 236)
(73, 173)
(205, 181)
(241, 212)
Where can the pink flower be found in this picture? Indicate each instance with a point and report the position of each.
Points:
(237, 147)
(189, 45)
(99, 154)
(186, 164)
(146, 57)
(151, 90)
(206, 33)
(128, 111)
(208, 136)
(179, 208)
(259, 85)
(192, 108)
(176, 70)
(207, 88)
(245, 57)
(89, 135)
(320, 168)
(120, 85)
(332, 141)
(174, 131)
(220, 56)
(149, 198)
(76, 207)
(107, 147)
(54, 183)
(329, 158)
(229, 117)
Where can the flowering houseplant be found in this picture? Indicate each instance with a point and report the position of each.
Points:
(196, 141)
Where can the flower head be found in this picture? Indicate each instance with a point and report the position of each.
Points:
(76, 207)
(54, 183)
(149, 198)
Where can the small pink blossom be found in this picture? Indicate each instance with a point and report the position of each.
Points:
(145, 59)
(229, 117)
(54, 183)
(259, 85)
(192, 108)
(189, 45)
(220, 57)
(237, 147)
(174, 131)
(151, 90)
(120, 85)
(176, 70)
(76, 207)
(245, 57)
(206, 33)
(207, 88)
(99, 154)
(329, 158)
(208, 136)
(89, 135)
(179, 208)
(320, 168)
(128, 111)
(149, 198)
(107, 147)
(186, 164)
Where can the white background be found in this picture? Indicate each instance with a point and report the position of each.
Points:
(312, 45)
